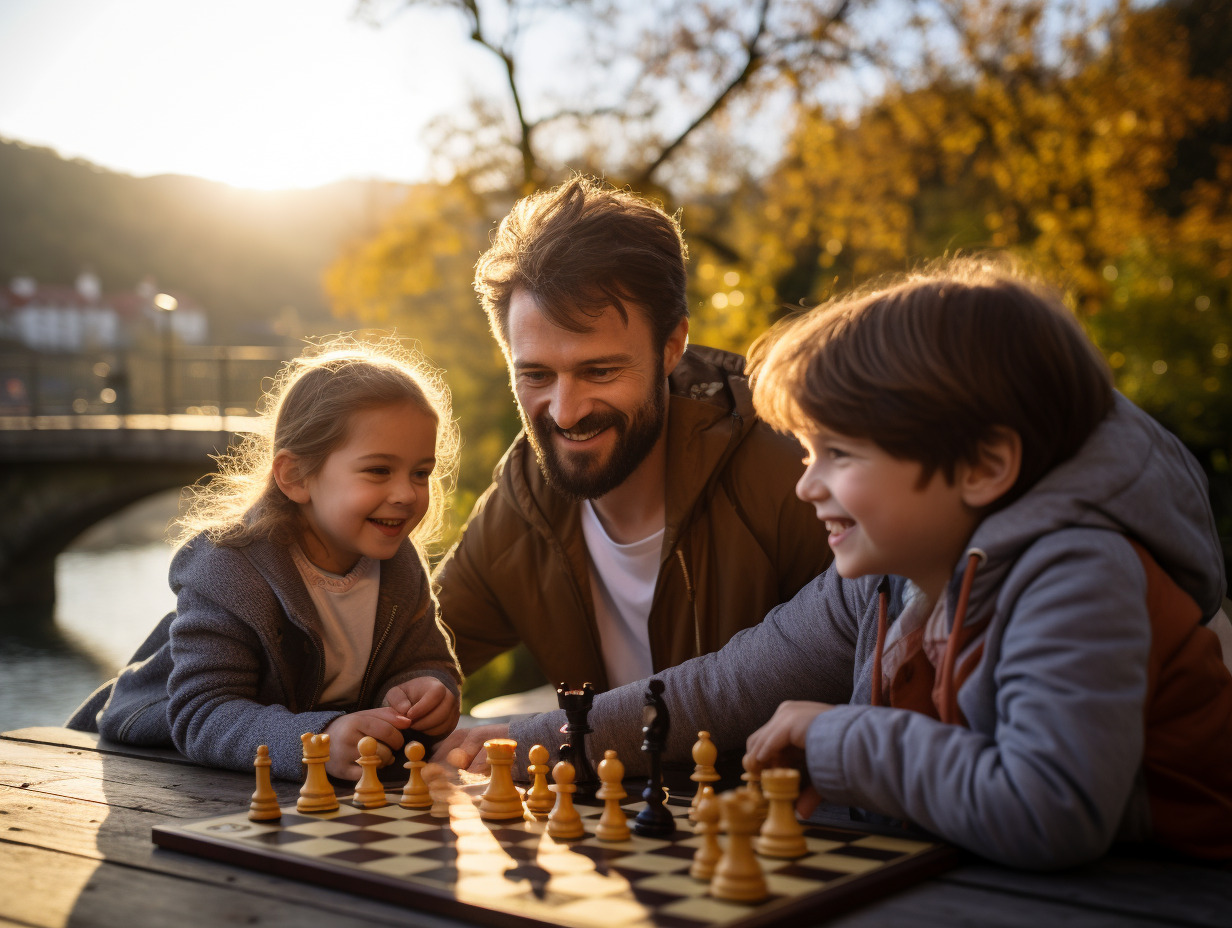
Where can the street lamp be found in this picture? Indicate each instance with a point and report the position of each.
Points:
(167, 303)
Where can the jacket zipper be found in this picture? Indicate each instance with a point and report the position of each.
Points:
(688, 589)
(363, 689)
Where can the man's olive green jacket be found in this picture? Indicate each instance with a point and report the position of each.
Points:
(737, 540)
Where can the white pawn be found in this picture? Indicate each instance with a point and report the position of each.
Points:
(264, 806)
(539, 799)
(752, 782)
(415, 794)
(613, 824)
(706, 825)
(369, 791)
(781, 835)
(737, 875)
(564, 821)
(704, 756)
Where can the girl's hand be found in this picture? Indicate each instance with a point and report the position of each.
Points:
(780, 742)
(383, 724)
(427, 702)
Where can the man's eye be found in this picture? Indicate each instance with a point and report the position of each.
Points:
(533, 376)
(602, 373)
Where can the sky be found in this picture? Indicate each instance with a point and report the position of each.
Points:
(256, 93)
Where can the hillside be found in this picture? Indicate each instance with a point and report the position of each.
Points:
(245, 255)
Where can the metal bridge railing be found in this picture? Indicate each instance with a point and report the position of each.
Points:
(214, 380)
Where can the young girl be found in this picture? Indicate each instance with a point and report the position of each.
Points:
(302, 604)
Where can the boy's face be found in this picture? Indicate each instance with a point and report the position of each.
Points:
(880, 519)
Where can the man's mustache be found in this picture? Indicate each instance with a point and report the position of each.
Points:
(596, 421)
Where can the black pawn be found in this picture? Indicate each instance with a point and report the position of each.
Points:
(655, 820)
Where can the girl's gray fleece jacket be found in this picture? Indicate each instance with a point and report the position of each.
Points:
(1049, 771)
(240, 662)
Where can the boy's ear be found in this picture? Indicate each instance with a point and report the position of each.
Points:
(995, 471)
(287, 476)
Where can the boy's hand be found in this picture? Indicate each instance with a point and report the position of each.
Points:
(383, 724)
(427, 702)
(780, 742)
(464, 748)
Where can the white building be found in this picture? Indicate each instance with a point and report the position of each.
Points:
(57, 318)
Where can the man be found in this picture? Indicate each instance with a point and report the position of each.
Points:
(644, 515)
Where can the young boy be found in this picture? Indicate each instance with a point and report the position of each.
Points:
(1014, 623)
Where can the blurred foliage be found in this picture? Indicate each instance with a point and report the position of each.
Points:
(1094, 141)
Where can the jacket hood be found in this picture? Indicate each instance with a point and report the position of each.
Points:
(1133, 477)
(710, 411)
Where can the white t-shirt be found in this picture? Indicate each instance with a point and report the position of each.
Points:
(347, 609)
(622, 579)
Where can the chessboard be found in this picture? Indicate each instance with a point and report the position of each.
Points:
(452, 862)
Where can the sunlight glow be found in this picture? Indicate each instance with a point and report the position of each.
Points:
(263, 93)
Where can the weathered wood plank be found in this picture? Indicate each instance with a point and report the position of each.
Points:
(1180, 893)
(177, 791)
(66, 737)
(59, 890)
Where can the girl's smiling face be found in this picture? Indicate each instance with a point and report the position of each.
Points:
(882, 518)
(371, 491)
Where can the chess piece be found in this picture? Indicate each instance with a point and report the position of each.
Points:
(781, 835)
(264, 806)
(752, 782)
(655, 820)
(415, 794)
(539, 799)
(317, 793)
(706, 824)
(737, 875)
(501, 800)
(704, 756)
(369, 791)
(613, 825)
(564, 821)
(577, 703)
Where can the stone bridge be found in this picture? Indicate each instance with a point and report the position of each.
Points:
(61, 474)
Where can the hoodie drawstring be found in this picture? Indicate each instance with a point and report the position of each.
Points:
(947, 692)
(883, 608)
(948, 696)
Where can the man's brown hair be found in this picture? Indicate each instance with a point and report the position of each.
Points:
(580, 247)
(929, 365)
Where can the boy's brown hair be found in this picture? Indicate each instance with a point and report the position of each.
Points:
(928, 365)
(583, 246)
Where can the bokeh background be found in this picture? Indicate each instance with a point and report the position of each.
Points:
(291, 169)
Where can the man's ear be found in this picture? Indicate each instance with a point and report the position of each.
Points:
(995, 471)
(287, 476)
(673, 350)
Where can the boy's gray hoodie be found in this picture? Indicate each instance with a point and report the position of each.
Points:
(1049, 771)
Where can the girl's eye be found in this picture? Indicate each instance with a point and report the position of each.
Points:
(383, 471)
(835, 453)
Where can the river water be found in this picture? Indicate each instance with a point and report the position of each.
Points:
(111, 589)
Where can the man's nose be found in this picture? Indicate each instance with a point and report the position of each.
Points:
(569, 404)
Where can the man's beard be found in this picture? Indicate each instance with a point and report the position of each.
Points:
(578, 474)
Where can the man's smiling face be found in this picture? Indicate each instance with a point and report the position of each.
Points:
(594, 402)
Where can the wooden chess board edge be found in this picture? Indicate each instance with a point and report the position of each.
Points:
(851, 894)
(416, 897)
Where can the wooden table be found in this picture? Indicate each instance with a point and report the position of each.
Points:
(75, 849)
